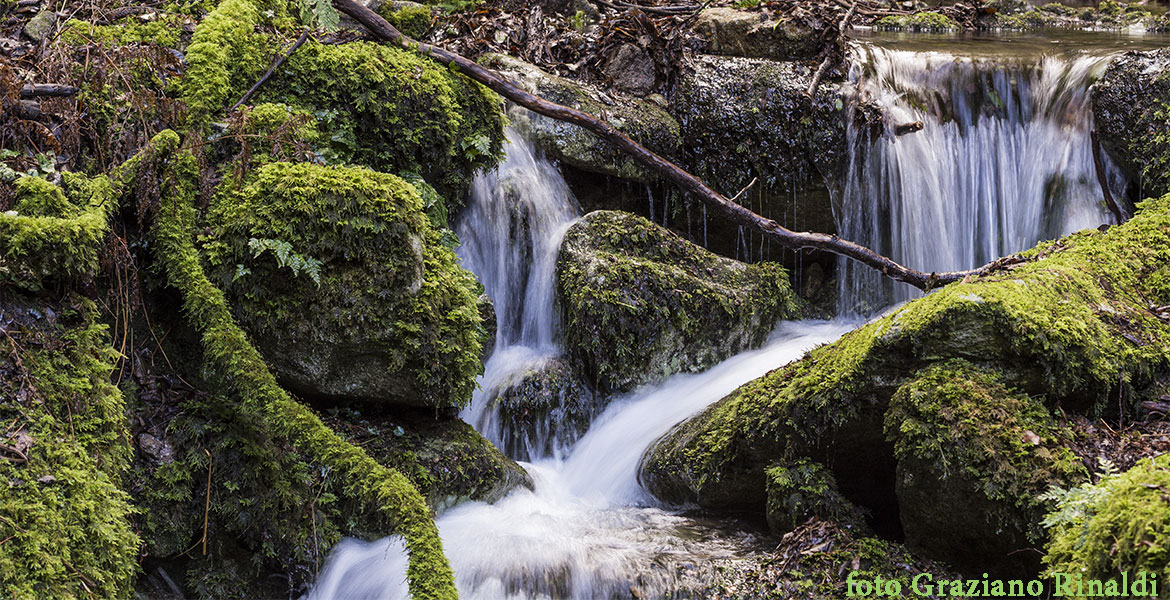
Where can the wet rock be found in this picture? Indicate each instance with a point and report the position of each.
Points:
(748, 119)
(632, 70)
(1129, 109)
(487, 315)
(543, 409)
(160, 451)
(943, 408)
(641, 303)
(735, 32)
(643, 120)
(39, 27)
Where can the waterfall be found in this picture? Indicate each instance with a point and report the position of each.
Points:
(1003, 161)
(587, 530)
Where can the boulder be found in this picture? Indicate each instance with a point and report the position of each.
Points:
(643, 120)
(734, 32)
(641, 303)
(344, 286)
(543, 409)
(943, 407)
(41, 26)
(632, 70)
(749, 119)
(1129, 108)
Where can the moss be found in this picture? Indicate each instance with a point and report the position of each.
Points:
(1023, 21)
(804, 490)
(1068, 325)
(166, 30)
(64, 521)
(1119, 525)
(380, 490)
(399, 112)
(921, 21)
(225, 57)
(641, 303)
(413, 20)
(391, 317)
(964, 440)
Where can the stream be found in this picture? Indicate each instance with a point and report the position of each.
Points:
(1003, 162)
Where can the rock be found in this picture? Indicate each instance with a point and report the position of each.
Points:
(641, 303)
(941, 401)
(447, 460)
(642, 120)
(632, 70)
(41, 26)
(1131, 119)
(806, 490)
(344, 287)
(543, 409)
(744, 119)
(155, 448)
(735, 32)
(487, 316)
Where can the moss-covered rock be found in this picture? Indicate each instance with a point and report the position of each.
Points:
(641, 303)
(646, 122)
(805, 490)
(921, 21)
(64, 518)
(224, 59)
(985, 452)
(744, 119)
(1131, 108)
(1069, 325)
(447, 460)
(735, 32)
(1120, 525)
(543, 409)
(393, 110)
(340, 279)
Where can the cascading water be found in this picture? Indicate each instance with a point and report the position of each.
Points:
(587, 531)
(1003, 161)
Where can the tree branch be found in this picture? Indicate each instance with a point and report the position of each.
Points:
(668, 170)
(1119, 213)
(271, 70)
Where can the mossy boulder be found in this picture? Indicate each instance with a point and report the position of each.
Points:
(1119, 525)
(921, 21)
(447, 460)
(641, 303)
(645, 121)
(752, 34)
(344, 286)
(747, 119)
(1069, 325)
(1131, 108)
(542, 409)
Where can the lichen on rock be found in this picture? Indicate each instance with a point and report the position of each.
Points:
(344, 285)
(641, 303)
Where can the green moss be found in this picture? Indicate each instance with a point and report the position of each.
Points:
(382, 491)
(1023, 21)
(922, 21)
(806, 489)
(64, 521)
(166, 30)
(1119, 525)
(394, 111)
(386, 285)
(641, 303)
(225, 58)
(413, 20)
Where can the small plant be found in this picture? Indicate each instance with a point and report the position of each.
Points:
(285, 257)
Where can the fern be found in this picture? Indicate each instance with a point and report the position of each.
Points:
(285, 257)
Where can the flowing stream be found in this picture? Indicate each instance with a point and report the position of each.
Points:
(588, 530)
(1003, 161)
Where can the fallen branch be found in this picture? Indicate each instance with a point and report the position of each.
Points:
(34, 90)
(654, 10)
(904, 128)
(1119, 213)
(668, 170)
(276, 65)
(834, 54)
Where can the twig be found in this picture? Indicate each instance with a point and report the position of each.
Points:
(669, 171)
(20, 457)
(745, 189)
(271, 70)
(654, 10)
(1118, 212)
(833, 55)
(207, 502)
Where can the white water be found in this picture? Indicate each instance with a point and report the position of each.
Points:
(588, 531)
(1003, 162)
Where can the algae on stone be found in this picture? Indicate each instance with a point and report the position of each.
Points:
(641, 303)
